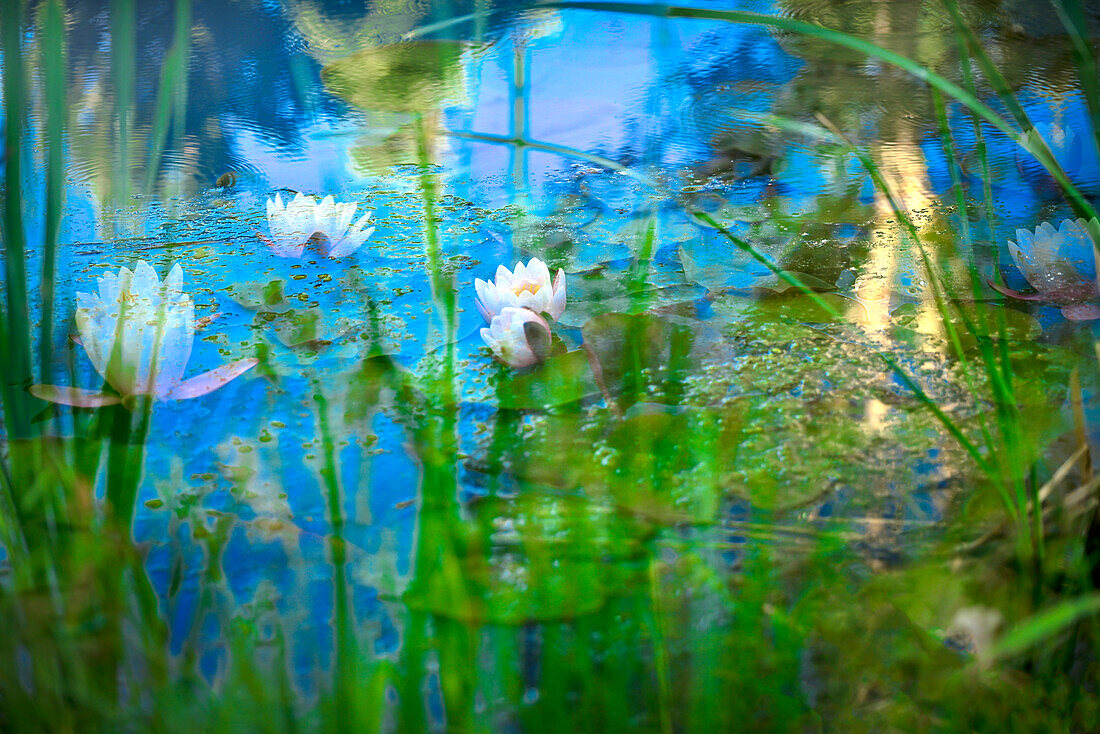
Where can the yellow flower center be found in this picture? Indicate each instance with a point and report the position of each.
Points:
(525, 285)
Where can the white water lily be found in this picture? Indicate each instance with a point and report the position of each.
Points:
(1060, 265)
(528, 286)
(294, 224)
(978, 627)
(138, 334)
(519, 337)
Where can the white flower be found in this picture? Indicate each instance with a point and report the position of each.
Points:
(295, 224)
(978, 626)
(519, 337)
(138, 333)
(526, 287)
(1060, 265)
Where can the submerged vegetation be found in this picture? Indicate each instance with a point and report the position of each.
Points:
(798, 437)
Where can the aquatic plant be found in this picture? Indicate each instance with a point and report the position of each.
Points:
(1056, 262)
(138, 332)
(519, 337)
(527, 286)
(294, 224)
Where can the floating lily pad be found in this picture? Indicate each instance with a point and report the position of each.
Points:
(726, 267)
(971, 321)
(628, 290)
(261, 296)
(559, 453)
(792, 306)
(640, 355)
(370, 379)
(777, 284)
(559, 380)
(308, 328)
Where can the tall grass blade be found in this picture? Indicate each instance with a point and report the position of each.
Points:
(16, 364)
(1044, 625)
(172, 92)
(1072, 15)
(54, 66)
(1000, 85)
(346, 651)
(123, 56)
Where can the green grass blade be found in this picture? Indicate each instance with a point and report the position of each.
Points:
(173, 85)
(1004, 92)
(346, 650)
(1001, 391)
(1045, 625)
(17, 359)
(54, 68)
(1072, 15)
(123, 56)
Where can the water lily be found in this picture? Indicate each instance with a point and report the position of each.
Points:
(528, 286)
(519, 337)
(978, 627)
(138, 333)
(1060, 265)
(293, 225)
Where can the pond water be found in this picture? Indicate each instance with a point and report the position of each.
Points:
(783, 393)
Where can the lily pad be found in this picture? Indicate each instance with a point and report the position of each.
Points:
(308, 328)
(261, 296)
(559, 453)
(559, 380)
(640, 355)
(779, 285)
(972, 321)
(791, 306)
(602, 292)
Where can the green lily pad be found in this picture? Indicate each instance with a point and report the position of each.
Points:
(261, 296)
(972, 321)
(308, 328)
(640, 356)
(559, 380)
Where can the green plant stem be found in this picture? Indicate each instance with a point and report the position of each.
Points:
(16, 364)
(123, 56)
(54, 65)
(172, 92)
(346, 651)
(1037, 145)
(443, 292)
(1002, 394)
(1072, 15)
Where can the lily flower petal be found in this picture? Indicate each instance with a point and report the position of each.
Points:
(138, 332)
(526, 286)
(1059, 264)
(518, 337)
(76, 397)
(303, 218)
(210, 381)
